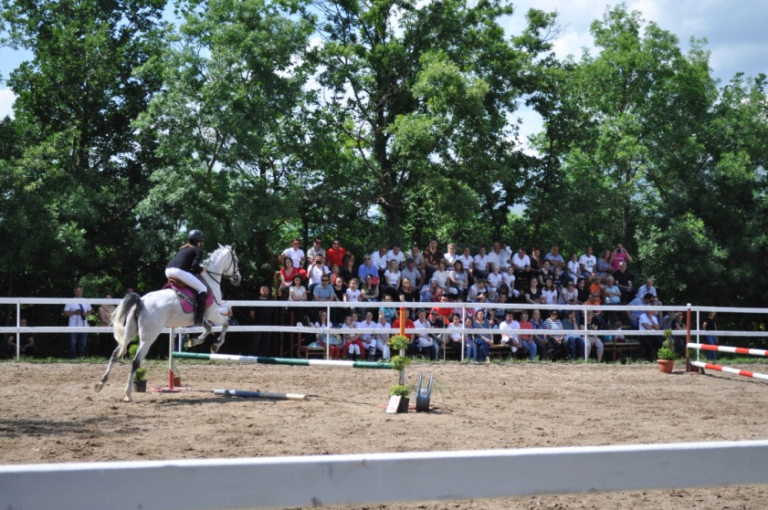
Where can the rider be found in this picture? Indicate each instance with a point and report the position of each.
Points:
(185, 265)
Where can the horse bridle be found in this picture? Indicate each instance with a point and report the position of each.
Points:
(223, 274)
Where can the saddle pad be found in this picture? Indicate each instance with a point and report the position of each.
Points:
(187, 297)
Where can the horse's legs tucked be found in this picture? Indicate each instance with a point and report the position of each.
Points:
(200, 339)
(220, 341)
(104, 377)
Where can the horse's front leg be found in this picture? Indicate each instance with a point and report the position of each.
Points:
(104, 377)
(215, 347)
(199, 339)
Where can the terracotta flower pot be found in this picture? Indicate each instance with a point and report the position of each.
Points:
(666, 365)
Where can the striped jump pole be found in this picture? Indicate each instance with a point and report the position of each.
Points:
(260, 394)
(282, 361)
(728, 348)
(730, 370)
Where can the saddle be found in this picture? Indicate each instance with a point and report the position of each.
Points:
(187, 296)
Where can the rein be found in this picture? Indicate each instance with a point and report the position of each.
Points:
(223, 274)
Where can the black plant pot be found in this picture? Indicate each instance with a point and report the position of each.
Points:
(140, 385)
(403, 407)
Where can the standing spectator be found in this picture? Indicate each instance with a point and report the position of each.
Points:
(410, 272)
(625, 281)
(379, 260)
(555, 258)
(335, 254)
(316, 250)
(261, 341)
(678, 324)
(536, 261)
(574, 268)
(647, 288)
(77, 312)
(594, 323)
(107, 341)
(618, 256)
(396, 254)
(287, 273)
(339, 290)
(521, 264)
(587, 263)
(470, 347)
(27, 342)
(480, 264)
(432, 258)
(418, 262)
(295, 253)
(709, 324)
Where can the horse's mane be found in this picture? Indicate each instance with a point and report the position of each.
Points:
(216, 255)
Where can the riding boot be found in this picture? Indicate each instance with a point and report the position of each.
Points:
(200, 309)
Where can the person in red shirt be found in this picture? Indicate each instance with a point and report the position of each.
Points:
(335, 254)
(408, 324)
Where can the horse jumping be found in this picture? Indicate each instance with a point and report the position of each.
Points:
(147, 316)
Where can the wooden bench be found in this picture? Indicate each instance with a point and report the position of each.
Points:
(622, 348)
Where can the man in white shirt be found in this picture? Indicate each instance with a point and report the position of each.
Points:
(521, 264)
(368, 339)
(587, 263)
(510, 339)
(396, 254)
(647, 288)
(651, 344)
(379, 259)
(555, 258)
(315, 274)
(78, 312)
(294, 253)
(480, 264)
(496, 256)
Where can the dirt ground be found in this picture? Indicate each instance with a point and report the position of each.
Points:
(50, 413)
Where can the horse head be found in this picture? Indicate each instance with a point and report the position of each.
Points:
(223, 263)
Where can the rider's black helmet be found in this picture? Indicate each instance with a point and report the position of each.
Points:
(195, 236)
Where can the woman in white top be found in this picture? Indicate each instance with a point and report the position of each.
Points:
(352, 294)
(392, 278)
(441, 275)
(458, 278)
(466, 258)
(495, 278)
(297, 292)
(549, 292)
(451, 254)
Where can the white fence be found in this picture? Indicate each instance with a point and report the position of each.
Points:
(288, 482)
(460, 307)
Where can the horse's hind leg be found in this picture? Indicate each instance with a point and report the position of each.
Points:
(220, 341)
(104, 377)
(140, 353)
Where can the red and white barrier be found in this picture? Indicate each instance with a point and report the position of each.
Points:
(728, 348)
(730, 370)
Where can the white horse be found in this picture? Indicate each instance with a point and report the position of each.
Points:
(147, 316)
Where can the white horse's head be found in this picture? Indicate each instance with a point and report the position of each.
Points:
(224, 262)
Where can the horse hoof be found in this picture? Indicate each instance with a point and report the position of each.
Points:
(214, 349)
(188, 345)
(127, 399)
(98, 387)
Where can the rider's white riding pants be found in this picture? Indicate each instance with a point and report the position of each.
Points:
(191, 280)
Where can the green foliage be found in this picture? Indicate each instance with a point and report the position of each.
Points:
(398, 342)
(665, 353)
(132, 349)
(399, 390)
(400, 362)
(140, 374)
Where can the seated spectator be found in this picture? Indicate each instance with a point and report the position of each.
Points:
(333, 342)
(483, 341)
(527, 340)
(391, 281)
(545, 273)
(348, 270)
(508, 277)
(470, 347)
(335, 274)
(536, 260)
(295, 253)
(439, 322)
(27, 342)
(495, 279)
(367, 268)
(339, 291)
(635, 315)
(388, 309)
(368, 339)
(582, 291)
(561, 278)
(379, 261)
(353, 347)
(611, 291)
(647, 288)
(625, 280)
(444, 309)
(573, 342)
(549, 293)
(352, 294)
(458, 279)
(569, 295)
(497, 256)
(431, 292)
(396, 254)
(651, 344)
(594, 324)
(587, 264)
(479, 267)
(408, 322)
(424, 344)
(603, 267)
(441, 275)
(533, 293)
(597, 287)
(324, 292)
(410, 272)
(407, 292)
(297, 292)
(382, 337)
(556, 344)
(370, 291)
(537, 323)
(315, 273)
(555, 259)
(466, 258)
(510, 339)
(618, 256)
(478, 291)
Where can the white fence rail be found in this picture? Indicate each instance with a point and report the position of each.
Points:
(320, 480)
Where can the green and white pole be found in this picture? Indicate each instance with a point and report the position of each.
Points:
(281, 361)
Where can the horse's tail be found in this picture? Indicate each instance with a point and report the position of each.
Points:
(125, 321)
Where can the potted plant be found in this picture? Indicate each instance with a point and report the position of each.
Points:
(399, 362)
(140, 380)
(666, 355)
